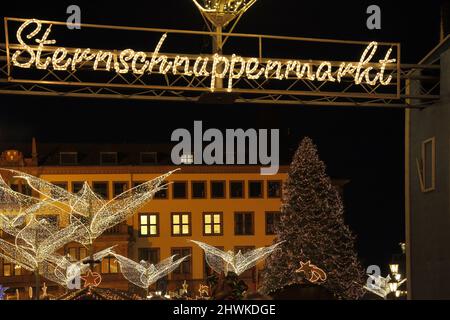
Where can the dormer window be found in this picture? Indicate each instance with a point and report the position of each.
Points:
(108, 158)
(149, 158)
(68, 158)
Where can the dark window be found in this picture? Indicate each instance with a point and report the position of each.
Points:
(184, 270)
(163, 193)
(149, 158)
(181, 224)
(272, 218)
(274, 189)
(77, 186)
(198, 189)
(108, 158)
(243, 223)
(149, 224)
(150, 255)
(110, 265)
(68, 158)
(217, 189)
(255, 189)
(119, 187)
(15, 187)
(179, 190)
(237, 189)
(212, 224)
(101, 188)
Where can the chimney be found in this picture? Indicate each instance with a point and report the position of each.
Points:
(34, 155)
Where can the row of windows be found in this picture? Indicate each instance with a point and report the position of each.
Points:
(107, 158)
(217, 189)
(212, 225)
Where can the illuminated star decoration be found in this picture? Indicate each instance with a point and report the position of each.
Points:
(312, 273)
(91, 279)
(2, 291)
(224, 262)
(144, 274)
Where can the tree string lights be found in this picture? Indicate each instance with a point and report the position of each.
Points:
(224, 262)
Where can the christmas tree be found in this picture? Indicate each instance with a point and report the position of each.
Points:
(313, 228)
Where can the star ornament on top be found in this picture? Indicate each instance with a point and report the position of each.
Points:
(312, 273)
(92, 279)
(2, 291)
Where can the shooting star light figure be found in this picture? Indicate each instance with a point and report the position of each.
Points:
(144, 274)
(221, 261)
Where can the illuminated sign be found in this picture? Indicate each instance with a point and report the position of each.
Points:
(35, 37)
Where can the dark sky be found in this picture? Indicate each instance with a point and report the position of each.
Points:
(360, 144)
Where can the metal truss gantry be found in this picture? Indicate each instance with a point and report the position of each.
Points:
(179, 87)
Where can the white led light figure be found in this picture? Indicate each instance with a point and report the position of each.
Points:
(224, 262)
(144, 274)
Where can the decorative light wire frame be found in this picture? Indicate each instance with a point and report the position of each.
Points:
(182, 88)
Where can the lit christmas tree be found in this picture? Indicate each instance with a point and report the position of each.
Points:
(313, 228)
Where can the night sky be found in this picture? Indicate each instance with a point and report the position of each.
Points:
(362, 145)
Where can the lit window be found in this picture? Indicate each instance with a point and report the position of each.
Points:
(76, 253)
(212, 223)
(181, 224)
(148, 225)
(110, 265)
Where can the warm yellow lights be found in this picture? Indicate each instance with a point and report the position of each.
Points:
(218, 66)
